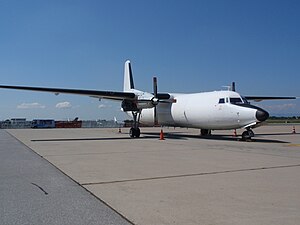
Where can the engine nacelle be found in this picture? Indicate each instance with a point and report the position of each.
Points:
(128, 105)
(145, 105)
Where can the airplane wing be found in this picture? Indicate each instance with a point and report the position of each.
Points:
(260, 98)
(92, 93)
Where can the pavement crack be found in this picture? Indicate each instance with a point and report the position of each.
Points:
(42, 189)
(191, 175)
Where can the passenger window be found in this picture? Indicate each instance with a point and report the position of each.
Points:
(221, 100)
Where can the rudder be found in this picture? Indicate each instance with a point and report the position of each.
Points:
(128, 78)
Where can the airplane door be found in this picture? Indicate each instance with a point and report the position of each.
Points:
(225, 115)
(235, 114)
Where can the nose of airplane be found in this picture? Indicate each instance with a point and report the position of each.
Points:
(261, 115)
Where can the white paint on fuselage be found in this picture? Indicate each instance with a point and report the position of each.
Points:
(201, 110)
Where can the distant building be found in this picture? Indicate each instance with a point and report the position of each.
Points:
(17, 123)
(41, 123)
(21, 123)
(68, 124)
(18, 120)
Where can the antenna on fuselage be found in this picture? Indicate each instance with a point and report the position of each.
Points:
(230, 87)
(227, 87)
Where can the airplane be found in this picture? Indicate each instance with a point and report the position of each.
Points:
(118, 122)
(215, 110)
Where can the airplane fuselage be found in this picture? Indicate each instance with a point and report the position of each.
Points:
(216, 110)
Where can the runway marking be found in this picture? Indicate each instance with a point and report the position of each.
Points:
(191, 175)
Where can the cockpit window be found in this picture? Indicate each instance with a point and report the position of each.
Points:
(245, 100)
(236, 101)
(221, 100)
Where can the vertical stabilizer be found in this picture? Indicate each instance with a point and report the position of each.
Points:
(128, 79)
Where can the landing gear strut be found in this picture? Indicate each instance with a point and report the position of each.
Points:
(135, 130)
(247, 135)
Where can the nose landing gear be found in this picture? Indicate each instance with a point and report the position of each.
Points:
(247, 135)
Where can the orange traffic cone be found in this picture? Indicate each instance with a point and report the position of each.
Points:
(294, 130)
(161, 135)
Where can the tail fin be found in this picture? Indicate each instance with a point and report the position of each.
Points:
(128, 79)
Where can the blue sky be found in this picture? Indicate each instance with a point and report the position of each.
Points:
(191, 46)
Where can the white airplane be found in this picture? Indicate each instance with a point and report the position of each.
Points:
(217, 110)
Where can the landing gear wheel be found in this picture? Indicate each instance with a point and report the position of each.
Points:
(137, 132)
(251, 133)
(247, 135)
(134, 132)
(205, 132)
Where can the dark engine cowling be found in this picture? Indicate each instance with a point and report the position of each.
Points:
(128, 105)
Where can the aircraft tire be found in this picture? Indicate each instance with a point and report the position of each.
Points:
(251, 133)
(246, 135)
(134, 132)
(138, 132)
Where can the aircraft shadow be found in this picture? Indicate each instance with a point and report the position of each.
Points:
(216, 137)
(175, 136)
(91, 139)
(272, 134)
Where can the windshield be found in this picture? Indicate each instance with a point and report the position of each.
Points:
(245, 100)
(236, 101)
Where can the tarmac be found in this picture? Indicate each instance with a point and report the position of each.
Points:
(184, 179)
(33, 192)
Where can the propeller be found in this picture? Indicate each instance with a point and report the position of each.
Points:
(159, 98)
(155, 100)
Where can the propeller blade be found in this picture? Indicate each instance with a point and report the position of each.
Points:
(155, 97)
(163, 96)
(155, 116)
(155, 87)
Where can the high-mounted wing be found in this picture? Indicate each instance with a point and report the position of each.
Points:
(92, 93)
(260, 98)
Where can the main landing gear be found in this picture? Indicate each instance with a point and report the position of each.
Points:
(135, 131)
(247, 135)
